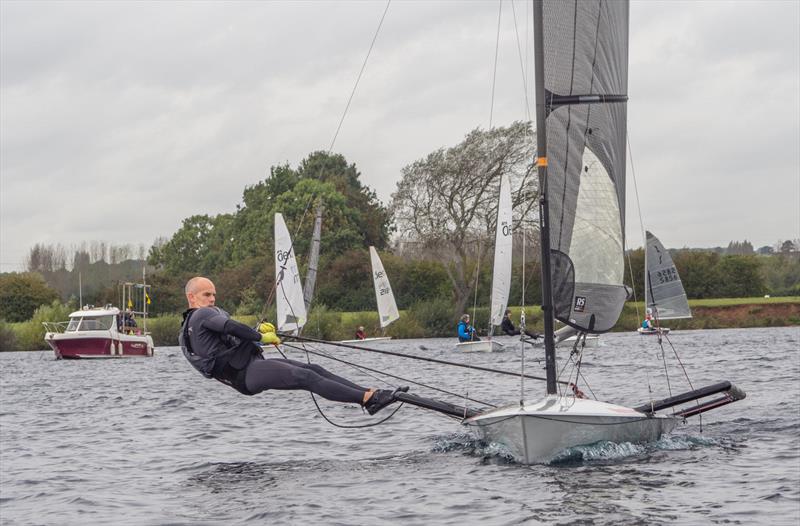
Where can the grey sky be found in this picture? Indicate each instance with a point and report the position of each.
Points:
(118, 120)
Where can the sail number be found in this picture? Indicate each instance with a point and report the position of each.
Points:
(667, 275)
(282, 255)
(506, 229)
(384, 291)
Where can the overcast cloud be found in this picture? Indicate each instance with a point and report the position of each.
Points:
(118, 120)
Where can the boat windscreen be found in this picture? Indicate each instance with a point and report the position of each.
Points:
(90, 323)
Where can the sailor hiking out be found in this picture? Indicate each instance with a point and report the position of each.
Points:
(228, 351)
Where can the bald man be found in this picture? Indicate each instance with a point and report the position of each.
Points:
(226, 350)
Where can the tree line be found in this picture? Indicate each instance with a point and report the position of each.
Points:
(441, 219)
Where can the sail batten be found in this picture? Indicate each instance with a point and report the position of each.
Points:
(585, 56)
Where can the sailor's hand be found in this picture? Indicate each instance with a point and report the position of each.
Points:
(266, 327)
(268, 335)
(270, 338)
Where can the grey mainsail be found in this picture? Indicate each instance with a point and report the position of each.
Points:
(585, 93)
(664, 292)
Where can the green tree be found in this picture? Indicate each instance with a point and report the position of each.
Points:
(22, 294)
(740, 277)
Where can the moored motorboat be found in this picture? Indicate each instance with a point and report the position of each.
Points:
(97, 333)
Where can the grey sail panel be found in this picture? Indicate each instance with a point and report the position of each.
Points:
(586, 83)
(666, 297)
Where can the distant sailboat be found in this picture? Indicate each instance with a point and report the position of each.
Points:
(501, 272)
(289, 286)
(665, 298)
(384, 297)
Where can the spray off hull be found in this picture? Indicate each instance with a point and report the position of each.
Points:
(537, 432)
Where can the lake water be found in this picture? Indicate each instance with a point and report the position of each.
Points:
(150, 441)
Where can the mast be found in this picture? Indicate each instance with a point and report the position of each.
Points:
(544, 209)
(313, 259)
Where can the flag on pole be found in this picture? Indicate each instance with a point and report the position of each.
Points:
(147, 297)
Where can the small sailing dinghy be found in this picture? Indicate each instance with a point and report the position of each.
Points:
(501, 272)
(665, 297)
(387, 307)
(581, 56)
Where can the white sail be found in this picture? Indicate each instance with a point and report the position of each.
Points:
(664, 292)
(289, 288)
(501, 277)
(387, 308)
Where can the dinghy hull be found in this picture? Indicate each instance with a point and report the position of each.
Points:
(538, 432)
(480, 346)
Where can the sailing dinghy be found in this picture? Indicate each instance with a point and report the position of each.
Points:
(387, 307)
(581, 56)
(665, 298)
(501, 272)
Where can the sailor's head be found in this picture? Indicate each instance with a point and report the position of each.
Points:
(361, 327)
(508, 312)
(200, 292)
(465, 317)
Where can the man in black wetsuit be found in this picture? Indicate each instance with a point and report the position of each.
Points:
(508, 327)
(226, 350)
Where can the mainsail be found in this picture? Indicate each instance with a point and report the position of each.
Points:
(664, 292)
(387, 308)
(585, 73)
(289, 288)
(501, 276)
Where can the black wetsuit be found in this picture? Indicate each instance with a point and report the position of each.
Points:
(508, 328)
(226, 350)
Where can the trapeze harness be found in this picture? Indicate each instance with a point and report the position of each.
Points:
(229, 354)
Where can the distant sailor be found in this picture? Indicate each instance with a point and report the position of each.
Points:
(466, 332)
(508, 327)
(226, 350)
(360, 333)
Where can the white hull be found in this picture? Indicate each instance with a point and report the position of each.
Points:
(662, 330)
(480, 346)
(591, 342)
(368, 340)
(537, 432)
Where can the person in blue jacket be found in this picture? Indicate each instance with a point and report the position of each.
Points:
(466, 332)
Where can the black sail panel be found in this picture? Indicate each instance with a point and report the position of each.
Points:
(586, 82)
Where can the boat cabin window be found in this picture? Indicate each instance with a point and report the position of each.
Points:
(90, 323)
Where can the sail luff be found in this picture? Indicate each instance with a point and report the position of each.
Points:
(501, 273)
(289, 287)
(384, 297)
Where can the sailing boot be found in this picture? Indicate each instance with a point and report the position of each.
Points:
(382, 398)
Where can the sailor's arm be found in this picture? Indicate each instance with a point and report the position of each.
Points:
(230, 327)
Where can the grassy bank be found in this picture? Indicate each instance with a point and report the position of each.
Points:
(435, 319)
